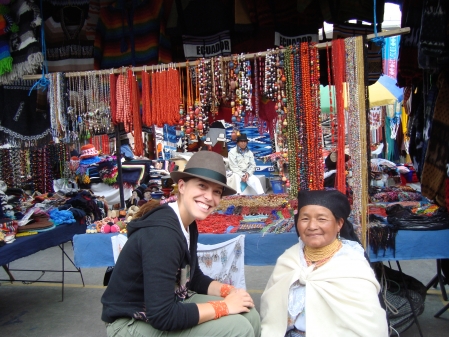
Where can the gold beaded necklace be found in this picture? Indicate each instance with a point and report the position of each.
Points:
(319, 256)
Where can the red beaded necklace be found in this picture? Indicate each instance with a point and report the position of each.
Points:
(339, 62)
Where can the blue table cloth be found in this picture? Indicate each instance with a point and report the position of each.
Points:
(95, 250)
(28, 245)
(416, 245)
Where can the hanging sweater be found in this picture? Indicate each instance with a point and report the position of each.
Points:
(25, 48)
(131, 34)
(154, 272)
(68, 37)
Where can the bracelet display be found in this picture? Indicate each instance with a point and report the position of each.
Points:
(220, 308)
(225, 290)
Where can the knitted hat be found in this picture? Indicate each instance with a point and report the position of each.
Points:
(206, 165)
(88, 151)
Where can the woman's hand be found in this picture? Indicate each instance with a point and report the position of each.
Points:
(239, 301)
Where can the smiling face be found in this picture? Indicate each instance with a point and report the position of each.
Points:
(198, 199)
(317, 226)
(242, 144)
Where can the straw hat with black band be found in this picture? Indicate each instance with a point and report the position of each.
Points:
(206, 165)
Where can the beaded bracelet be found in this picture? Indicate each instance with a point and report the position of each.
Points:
(220, 308)
(226, 289)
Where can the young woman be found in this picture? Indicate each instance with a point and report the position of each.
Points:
(157, 288)
(323, 285)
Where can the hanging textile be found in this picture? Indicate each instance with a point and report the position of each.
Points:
(131, 33)
(374, 61)
(69, 47)
(408, 69)
(224, 261)
(25, 48)
(23, 117)
(437, 155)
(390, 54)
(7, 25)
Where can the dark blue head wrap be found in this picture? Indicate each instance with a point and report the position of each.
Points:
(333, 200)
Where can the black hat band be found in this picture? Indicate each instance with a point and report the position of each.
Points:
(206, 173)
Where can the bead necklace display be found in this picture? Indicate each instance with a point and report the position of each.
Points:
(261, 68)
(217, 84)
(339, 62)
(101, 143)
(357, 114)
(279, 85)
(205, 96)
(89, 105)
(97, 118)
(331, 105)
(146, 101)
(24, 165)
(72, 109)
(235, 93)
(246, 88)
(316, 121)
(187, 122)
(256, 88)
(270, 75)
(290, 149)
(7, 167)
(113, 97)
(182, 110)
(58, 117)
(15, 163)
(301, 159)
(307, 105)
(123, 102)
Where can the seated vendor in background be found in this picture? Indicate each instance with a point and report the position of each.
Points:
(125, 148)
(73, 151)
(243, 165)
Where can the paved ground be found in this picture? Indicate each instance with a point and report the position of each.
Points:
(36, 310)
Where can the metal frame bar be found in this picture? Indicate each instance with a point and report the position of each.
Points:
(63, 271)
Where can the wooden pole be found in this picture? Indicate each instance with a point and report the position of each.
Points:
(395, 32)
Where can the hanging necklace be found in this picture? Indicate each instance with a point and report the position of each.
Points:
(319, 256)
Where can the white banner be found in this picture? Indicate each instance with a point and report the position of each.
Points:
(196, 47)
(285, 41)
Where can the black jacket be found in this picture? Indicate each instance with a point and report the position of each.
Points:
(153, 273)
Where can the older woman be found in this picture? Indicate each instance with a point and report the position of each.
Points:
(323, 285)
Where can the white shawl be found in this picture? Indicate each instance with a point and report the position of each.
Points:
(341, 296)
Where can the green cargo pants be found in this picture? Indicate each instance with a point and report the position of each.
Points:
(241, 325)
